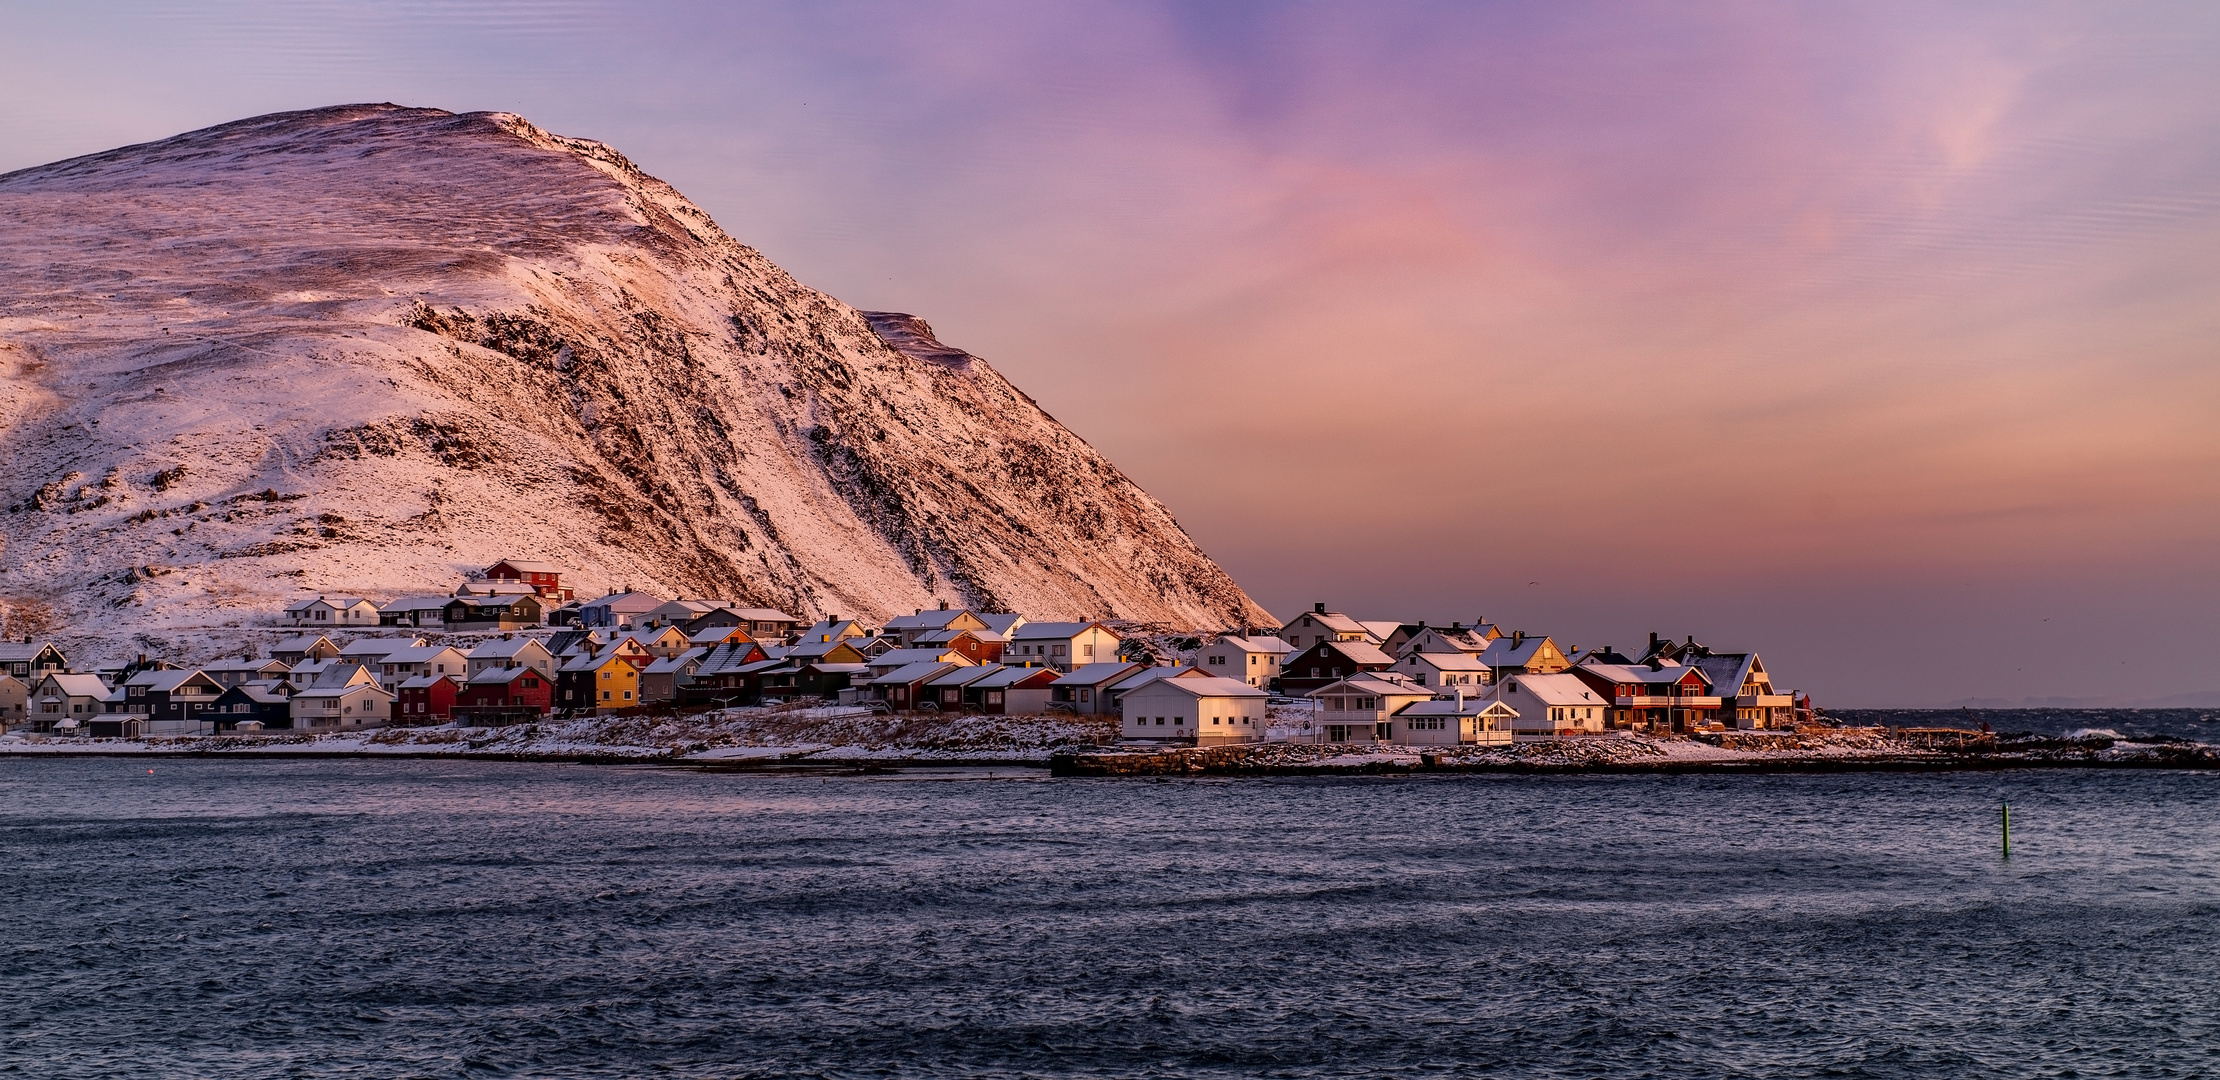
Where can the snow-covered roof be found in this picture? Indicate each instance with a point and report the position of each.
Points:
(762, 614)
(505, 648)
(1362, 652)
(1381, 630)
(893, 658)
(258, 665)
(1376, 683)
(1331, 620)
(829, 628)
(1151, 674)
(1000, 677)
(943, 637)
(963, 676)
(685, 661)
(17, 652)
(379, 646)
(419, 654)
(839, 669)
(1257, 644)
(1045, 631)
(923, 620)
(501, 675)
(814, 647)
(421, 682)
(164, 680)
(1001, 622)
(79, 685)
(301, 643)
(341, 691)
(629, 602)
(339, 602)
(343, 674)
(909, 673)
(1640, 673)
(527, 566)
(258, 693)
(415, 603)
(1471, 706)
(1211, 686)
(1513, 651)
(1445, 661)
(712, 635)
(1093, 674)
(1555, 689)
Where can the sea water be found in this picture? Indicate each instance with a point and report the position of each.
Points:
(228, 918)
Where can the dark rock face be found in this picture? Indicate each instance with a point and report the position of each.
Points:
(367, 348)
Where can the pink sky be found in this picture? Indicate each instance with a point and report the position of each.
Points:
(1879, 338)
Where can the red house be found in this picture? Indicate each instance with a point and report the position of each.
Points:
(505, 696)
(426, 699)
(545, 578)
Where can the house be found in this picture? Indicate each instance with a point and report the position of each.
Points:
(1084, 689)
(421, 612)
(1747, 699)
(229, 673)
(291, 651)
(563, 644)
(618, 609)
(1203, 710)
(493, 612)
(1456, 637)
(546, 579)
(1446, 670)
(1001, 622)
(908, 628)
(511, 651)
(264, 703)
(504, 696)
(1356, 709)
(1329, 660)
(978, 646)
(1318, 624)
(1012, 691)
(904, 686)
(1114, 695)
(1453, 721)
(497, 588)
(946, 690)
(170, 702)
(401, 665)
(1554, 705)
(657, 640)
(1523, 655)
(824, 650)
(66, 702)
(15, 697)
(426, 699)
(333, 611)
(1064, 646)
(726, 675)
(833, 629)
(28, 660)
(762, 622)
(1378, 632)
(827, 679)
(710, 636)
(1254, 660)
(660, 680)
(605, 682)
(694, 614)
(343, 696)
(900, 658)
(1657, 696)
(368, 651)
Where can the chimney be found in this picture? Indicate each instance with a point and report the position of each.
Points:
(1318, 608)
(1422, 624)
(1518, 638)
(1460, 698)
(944, 607)
(1656, 664)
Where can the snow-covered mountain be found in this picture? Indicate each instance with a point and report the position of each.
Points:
(367, 349)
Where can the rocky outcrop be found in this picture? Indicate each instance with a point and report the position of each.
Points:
(370, 348)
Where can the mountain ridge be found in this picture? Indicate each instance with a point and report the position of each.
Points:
(368, 348)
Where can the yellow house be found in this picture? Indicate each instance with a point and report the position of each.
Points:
(604, 682)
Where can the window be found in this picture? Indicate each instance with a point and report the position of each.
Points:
(1179, 721)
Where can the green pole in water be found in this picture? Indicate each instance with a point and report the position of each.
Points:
(2004, 814)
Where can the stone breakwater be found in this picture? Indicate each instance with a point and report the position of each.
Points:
(1840, 750)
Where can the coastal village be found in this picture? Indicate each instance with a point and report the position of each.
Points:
(514, 644)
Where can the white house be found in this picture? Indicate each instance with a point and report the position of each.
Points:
(1253, 660)
(1555, 705)
(66, 702)
(1453, 721)
(423, 612)
(1446, 671)
(1318, 624)
(1356, 709)
(401, 665)
(343, 696)
(333, 611)
(1456, 637)
(369, 650)
(1086, 689)
(1062, 645)
(512, 652)
(1203, 711)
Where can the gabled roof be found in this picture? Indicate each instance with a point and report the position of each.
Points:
(78, 685)
(1727, 671)
(501, 674)
(1446, 661)
(301, 643)
(1093, 674)
(1001, 622)
(839, 669)
(1361, 652)
(1665, 674)
(330, 601)
(259, 665)
(527, 566)
(380, 646)
(1051, 630)
(1513, 652)
(17, 652)
(1210, 686)
(1331, 620)
(501, 601)
(1001, 677)
(1258, 644)
(415, 603)
(833, 628)
(1376, 683)
(893, 658)
(923, 620)
(1561, 688)
(685, 661)
(504, 648)
(635, 602)
(909, 673)
(165, 681)
(1380, 630)
(963, 676)
(343, 675)
(256, 693)
(714, 635)
(1151, 674)
(422, 682)
(1471, 706)
(762, 614)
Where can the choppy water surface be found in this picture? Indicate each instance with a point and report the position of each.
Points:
(390, 919)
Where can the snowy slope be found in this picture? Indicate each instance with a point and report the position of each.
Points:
(367, 349)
